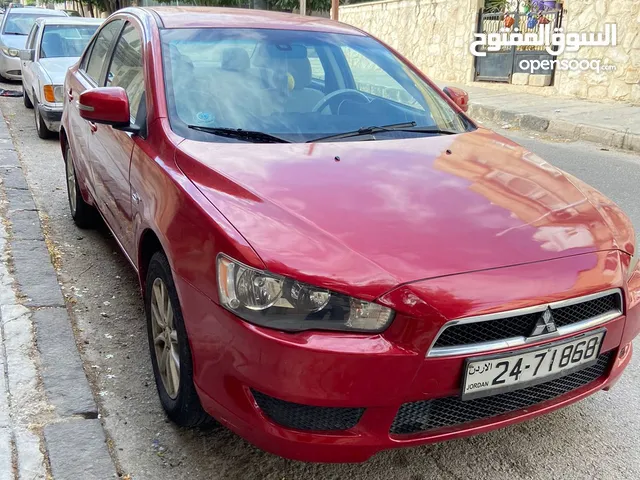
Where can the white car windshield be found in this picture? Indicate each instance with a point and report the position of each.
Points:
(20, 23)
(297, 85)
(65, 40)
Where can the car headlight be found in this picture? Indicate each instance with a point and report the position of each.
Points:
(285, 304)
(53, 93)
(11, 52)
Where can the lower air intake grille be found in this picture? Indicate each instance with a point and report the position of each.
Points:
(306, 417)
(416, 417)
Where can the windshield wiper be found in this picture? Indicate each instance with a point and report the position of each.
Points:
(248, 135)
(15, 33)
(396, 127)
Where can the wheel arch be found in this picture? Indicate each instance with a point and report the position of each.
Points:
(63, 139)
(148, 244)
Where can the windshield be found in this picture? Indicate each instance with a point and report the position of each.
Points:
(297, 85)
(20, 23)
(65, 40)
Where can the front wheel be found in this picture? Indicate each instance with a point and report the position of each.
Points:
(169, 347)
(41, 127)
(25, 98)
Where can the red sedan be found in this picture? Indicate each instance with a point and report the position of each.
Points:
(334, 259)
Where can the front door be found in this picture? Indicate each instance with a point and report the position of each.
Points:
(26, 65)
(115, 146)
(90, 74)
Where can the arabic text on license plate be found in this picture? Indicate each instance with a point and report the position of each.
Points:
(507, 372)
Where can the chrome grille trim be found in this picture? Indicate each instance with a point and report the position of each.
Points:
(519, 341)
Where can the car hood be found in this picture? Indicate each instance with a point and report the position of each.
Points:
(370, 215)
(57, 68)
(14, 41)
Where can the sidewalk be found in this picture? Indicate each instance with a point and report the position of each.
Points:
(49, 421)
(611, 124)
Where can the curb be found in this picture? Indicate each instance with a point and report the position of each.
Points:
(573, 131)
(75, 442)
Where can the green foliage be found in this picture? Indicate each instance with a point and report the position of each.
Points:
(312, 5)
(495, 6)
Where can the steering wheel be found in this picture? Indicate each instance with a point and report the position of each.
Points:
(339, 95)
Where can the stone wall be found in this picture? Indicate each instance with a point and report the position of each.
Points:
(590, 16)
(435, 36)
(432, 34)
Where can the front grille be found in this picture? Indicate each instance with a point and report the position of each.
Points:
(523, 325)
(416, 417)
(307, 417)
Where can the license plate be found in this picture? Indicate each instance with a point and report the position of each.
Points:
(495, 374)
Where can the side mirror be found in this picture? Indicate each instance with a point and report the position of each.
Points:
(108, 105)
(459, 97)
(27, 55)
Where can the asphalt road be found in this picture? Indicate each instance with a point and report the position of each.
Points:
(596, 438)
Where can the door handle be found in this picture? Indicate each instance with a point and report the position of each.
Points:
(70, 95)
(93, 127)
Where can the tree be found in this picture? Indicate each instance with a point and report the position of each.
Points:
(312, 5)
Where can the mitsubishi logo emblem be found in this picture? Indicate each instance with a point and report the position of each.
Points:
(545, 324)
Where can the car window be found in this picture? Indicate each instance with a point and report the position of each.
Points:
(317, 70)
(369, 77)
(33, 35)
(100, 50)
(85, 57)
(126, 68)
(19, 23)
(65, 40)
(299, 85)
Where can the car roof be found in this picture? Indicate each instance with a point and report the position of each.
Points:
(70, 21)
(37, 11)
(214, 17)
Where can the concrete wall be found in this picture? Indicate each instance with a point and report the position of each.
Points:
(433, 34)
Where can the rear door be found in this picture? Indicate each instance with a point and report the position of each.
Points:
(90, 74)
(111, 167)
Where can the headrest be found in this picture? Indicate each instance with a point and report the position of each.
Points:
(235, 59)
(300, 69)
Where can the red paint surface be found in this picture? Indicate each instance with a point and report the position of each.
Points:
(436, 236)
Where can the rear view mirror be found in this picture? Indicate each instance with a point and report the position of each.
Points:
(27, 55)
(459, 97)
(107, 105)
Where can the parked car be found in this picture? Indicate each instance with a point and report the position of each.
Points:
(14, 29)
(336, 260)
(53, 45)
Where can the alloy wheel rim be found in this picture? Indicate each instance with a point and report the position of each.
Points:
(71, 185)
(165, 338)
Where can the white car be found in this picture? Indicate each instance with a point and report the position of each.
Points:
(53, 45)
(15, 26)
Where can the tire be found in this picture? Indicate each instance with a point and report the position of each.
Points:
(180, 402)
(25, 98)
(83, 214)
(41, 127)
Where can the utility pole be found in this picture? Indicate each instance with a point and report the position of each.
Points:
(334, 9)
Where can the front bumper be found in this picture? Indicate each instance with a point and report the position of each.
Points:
(10, 67)
(244, 374)
(51, 115)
